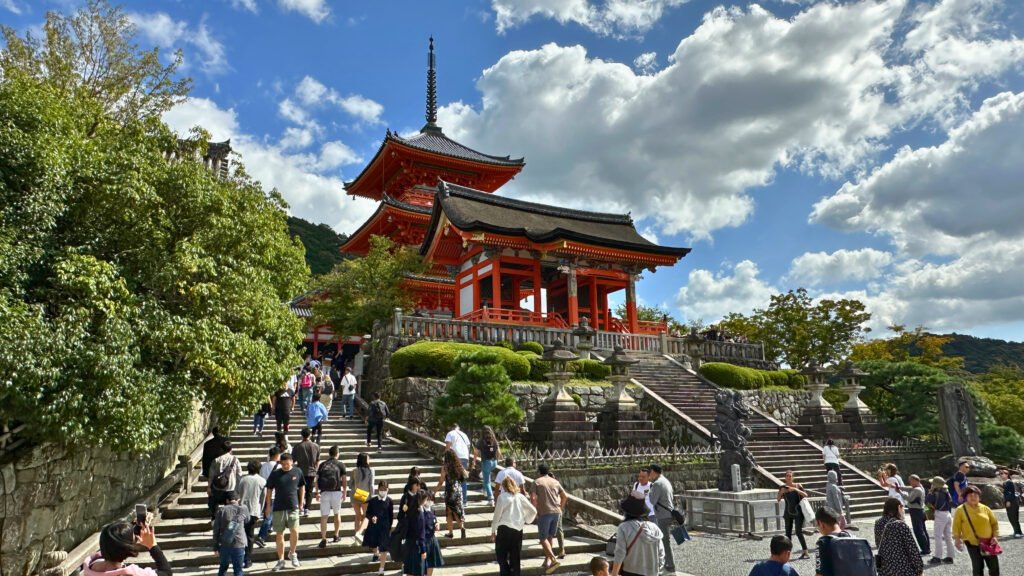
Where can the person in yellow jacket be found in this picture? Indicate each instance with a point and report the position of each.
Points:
(972, 522)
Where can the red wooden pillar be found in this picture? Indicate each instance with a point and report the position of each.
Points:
(537, 309)
(316, 340)
(593, 301)
(496, 282)
(631, 320)
(574, 304)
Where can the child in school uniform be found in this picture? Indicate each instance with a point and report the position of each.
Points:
(430, 549)
(380, 511)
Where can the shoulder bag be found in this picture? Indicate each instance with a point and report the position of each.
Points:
(629, 548)
(988, 546)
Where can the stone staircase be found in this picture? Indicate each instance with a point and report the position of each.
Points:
(184, 532)
(775, 447)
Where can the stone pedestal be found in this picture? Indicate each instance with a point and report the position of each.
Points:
(819, 415)
(748, 512)
(559, 423)
(622, 423)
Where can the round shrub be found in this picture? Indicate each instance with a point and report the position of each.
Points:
(732, 376)
(535, 347)
(438, 359)
(590, 369)
(1001, 443)
(538, 368)
(505, 344)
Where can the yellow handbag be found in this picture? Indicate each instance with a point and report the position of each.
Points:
(361, 495)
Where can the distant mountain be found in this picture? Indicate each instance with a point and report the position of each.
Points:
(982, 353)
(321, 243)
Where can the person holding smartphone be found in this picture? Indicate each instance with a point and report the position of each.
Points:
(120, 541)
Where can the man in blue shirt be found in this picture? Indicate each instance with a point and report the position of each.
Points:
(778, 564)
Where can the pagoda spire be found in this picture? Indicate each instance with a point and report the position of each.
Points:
(431, 90)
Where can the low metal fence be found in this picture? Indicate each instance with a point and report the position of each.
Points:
(607, 457)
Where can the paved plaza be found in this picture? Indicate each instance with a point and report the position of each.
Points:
(719, 555)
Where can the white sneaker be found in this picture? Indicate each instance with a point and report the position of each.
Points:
(279, 566)
(295, 560)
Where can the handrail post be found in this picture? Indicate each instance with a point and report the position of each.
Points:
(397, 328)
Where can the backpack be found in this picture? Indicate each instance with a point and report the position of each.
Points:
(328, 387)
(227, 532)
(377, 411)
(307, 380)
(329, 478)
(223, 478)
(849, 556)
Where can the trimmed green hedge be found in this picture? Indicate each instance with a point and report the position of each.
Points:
(535, 347)
(742, 378)
(437, 359)
(590, 369)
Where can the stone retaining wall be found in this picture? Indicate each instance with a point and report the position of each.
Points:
(411, 399)
(54, 497)
(783, 406)
(923, 463)
(606, 487)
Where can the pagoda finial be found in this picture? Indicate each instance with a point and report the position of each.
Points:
(431, 88)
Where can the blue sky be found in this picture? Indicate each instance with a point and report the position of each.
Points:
(863, 148)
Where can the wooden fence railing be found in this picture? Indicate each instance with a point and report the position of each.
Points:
(584, 458)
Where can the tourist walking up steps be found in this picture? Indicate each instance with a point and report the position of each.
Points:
(316, 415)
(332, 483)
(663, 501)
(458, 441)
(307, 456)
(285, 490)
(259, 419)
(942, 503)
(793, 493)
(422, 551)
(306, 382)
(834, 497)
(362, 487)
(380, 512)
(781, 549)
(407, 504)
(975, 525)
(327, 390)
(252, 492)
(213, 449)
(510, 471)
(488, 451)
(348, 394)
(897, 553)
(378, 413)
(283, 401)
(639, 549)
(549, 498)
(915, 507)
(830, 453)
(273, 463)
(229, 541)
(123, 540)
(1012, 496)
(222, 477)
(512, 512)
(452, 473)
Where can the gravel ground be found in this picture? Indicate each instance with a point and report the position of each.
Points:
(717, 555)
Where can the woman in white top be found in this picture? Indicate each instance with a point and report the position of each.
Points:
(889, 478)
(830, 452)
(512, 511)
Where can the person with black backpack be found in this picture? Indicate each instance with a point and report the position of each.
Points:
(229, 537)
(222, 477)
(838, 553)
(333, 483)
(378, 414)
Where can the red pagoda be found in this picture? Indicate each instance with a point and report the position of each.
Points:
(493, 258)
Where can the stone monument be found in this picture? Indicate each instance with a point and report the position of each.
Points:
(622, 423)
(818, 414)
(856, 413)
(732, 433)
(959, 424)
(560, 424)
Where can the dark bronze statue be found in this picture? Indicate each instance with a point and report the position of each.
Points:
(732, 433)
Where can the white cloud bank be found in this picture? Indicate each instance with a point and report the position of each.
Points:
(164, 31)
(816, 268)
(608, 17)
(708, 296)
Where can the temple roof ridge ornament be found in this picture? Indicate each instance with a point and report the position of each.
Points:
(431, 91)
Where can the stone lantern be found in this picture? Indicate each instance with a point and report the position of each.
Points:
(622, 423)
(694, 343)
(560, 424)
(620, 362)
(818, 413)
(584, 334)
(855, 412)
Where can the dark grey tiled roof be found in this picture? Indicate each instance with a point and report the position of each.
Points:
(432, 139)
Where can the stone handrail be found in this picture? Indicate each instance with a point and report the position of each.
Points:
(429, 445)
(179, 478)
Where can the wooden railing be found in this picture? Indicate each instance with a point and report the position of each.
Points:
(490, 326)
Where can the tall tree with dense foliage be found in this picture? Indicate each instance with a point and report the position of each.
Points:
(915, 345)
(130, 286)
(795, 329)
(478, 395)
(362, 290)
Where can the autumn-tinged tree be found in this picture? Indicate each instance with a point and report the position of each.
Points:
(130, 286)
(916, 345)
(362, 290)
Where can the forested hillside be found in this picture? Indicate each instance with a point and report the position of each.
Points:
(321, 243)
(980, 354)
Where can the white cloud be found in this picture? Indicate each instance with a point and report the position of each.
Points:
(249, 5)
(11, 6)
(743, 96)
(311, 94)
(308, 182)
(646, 63)
(166, 32)
(315, 10)
(610, 17)
(816, 268)
(710, 296)
(296, 138)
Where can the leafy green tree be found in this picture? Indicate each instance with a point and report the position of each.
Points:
(130, 286)
(362, 290)
(1002, 387)
(478, 395)
(794, 329)
(904, 395)
(913, 346)
(322, 244)
(1002, 444)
